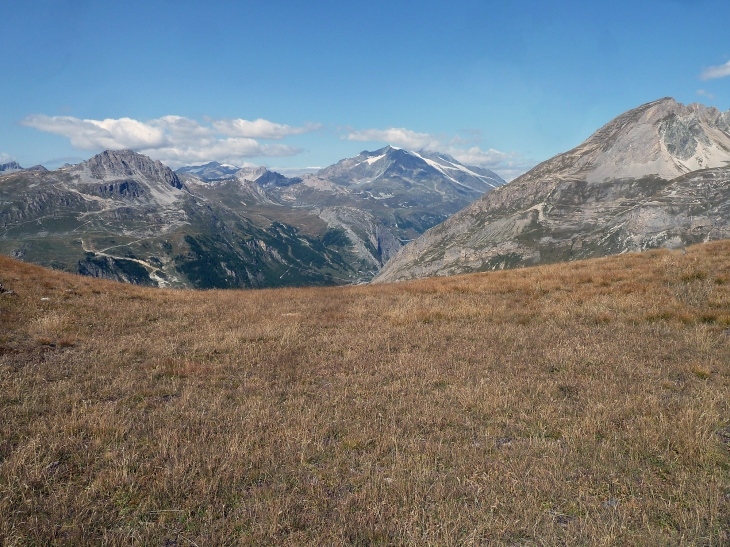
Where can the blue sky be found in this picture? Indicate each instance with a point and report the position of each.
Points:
(502, 84)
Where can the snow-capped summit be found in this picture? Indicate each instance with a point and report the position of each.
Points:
(417, 168)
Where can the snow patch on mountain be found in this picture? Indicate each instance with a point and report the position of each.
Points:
(374, 159)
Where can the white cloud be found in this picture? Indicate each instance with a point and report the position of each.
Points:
(100, 134)
(477, 156)
(259, 129)
(183, 129)
(712, 72)
(704, 93)
(4, 158)
(174, 140)
(507, 165)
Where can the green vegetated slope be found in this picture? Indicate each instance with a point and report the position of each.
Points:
(584, 403)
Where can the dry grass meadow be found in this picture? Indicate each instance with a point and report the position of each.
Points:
(578, 404)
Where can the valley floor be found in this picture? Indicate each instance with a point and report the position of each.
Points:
(585, 403)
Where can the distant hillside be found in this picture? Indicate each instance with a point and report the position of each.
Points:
(14, 166)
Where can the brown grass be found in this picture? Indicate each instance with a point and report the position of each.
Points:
(577, 404)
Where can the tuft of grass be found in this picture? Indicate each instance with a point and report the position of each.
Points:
(701, 372)
(572, 404)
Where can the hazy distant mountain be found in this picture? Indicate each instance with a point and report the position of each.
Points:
(378, 200)
(209, 171)
(14, 166)
(654, 176)
(9, 167)
(411, 169)
(405, 192)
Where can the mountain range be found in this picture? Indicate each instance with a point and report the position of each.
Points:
(124, 216)
(655, 176)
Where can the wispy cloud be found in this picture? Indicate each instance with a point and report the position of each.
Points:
(175, 140)
(712, 72)
(704, 93)
(5, 158)
(507, 164)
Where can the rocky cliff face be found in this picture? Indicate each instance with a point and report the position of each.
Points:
(634, 184)
(371, 241)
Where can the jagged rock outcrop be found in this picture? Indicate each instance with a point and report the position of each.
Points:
(625, 188)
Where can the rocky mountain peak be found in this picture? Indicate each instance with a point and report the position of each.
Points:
(663, 138)
(211, 171)
(126, 163)
(390, 163)
(265, 178)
